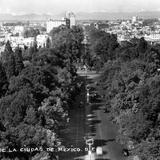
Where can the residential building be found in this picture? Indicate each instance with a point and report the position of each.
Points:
(19, 30)
(41, 40)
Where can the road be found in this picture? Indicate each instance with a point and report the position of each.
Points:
(90, 120)
(100, 127)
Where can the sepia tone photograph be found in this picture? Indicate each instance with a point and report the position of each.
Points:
(79, 80)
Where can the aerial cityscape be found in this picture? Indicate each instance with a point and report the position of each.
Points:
(79, 80)
(135, 27)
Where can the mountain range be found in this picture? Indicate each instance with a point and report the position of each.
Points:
(81, 16)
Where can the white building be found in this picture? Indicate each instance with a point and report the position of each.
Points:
(72, 21)
(71, 17)
(19, 30)
(41, 40)
(20, 41)
(28, 41)
(134, 19)
(152, 37)
(54, 23)
(69, 21)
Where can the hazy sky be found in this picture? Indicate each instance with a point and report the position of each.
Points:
(58, 6)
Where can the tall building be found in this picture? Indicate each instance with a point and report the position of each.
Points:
(71, 17)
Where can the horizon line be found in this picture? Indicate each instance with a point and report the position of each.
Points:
(89, 12)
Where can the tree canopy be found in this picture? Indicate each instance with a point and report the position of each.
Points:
(35, 98)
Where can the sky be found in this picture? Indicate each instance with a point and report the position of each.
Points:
(59, 6)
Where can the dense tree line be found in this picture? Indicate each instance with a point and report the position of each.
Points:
(130, 83)
(35, 95)
(100, 48)
(31, 32)
(149, 22)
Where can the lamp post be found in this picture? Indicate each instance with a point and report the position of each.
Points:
(87, 95)
(89, 142)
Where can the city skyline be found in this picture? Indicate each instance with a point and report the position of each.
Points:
(19, 7)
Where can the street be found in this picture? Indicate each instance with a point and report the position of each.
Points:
(100, 128)
(90, 121)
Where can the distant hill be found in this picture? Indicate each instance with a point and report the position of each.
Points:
(116, 15)
(81, 16)
(29, 17)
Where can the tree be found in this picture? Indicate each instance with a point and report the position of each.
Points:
(31, 32)
(31, 117)
(142, 47)
(10, 66)
(17, 83)
(18, 61)
(48, 43)
(33, 110)
(3, 81)
(131, 87)
(7, 52)
(8, 61)
(112, 46)
(68, 41)
(44, 76)
(13, 107)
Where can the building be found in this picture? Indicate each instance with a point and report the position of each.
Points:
(41, 40)
(71, 17)
(19, 30)
(153, 38)
(68, 21)
(20, 41)
(134, 19)
(54, 24)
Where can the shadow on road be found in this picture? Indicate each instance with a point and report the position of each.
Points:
(93, 122)
(96, 107)
(102, 142)
(99, 142)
